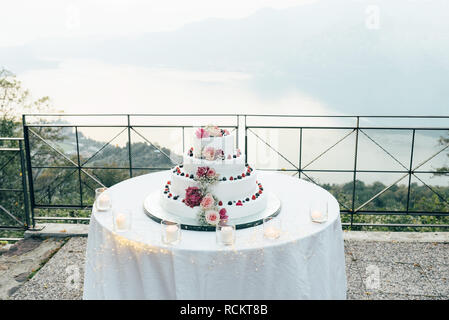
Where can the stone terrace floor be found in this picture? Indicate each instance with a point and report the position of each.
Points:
(407, 270)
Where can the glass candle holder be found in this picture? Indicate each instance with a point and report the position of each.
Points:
(102, 200)
(225, 234)
(122, 220)
(272, 228)
(170, 232)
(318, 211)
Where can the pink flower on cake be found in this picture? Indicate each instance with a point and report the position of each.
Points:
(214, 131)
(207, 202)
(223, 215)
(209, 153)
(193, 197)
(202, 171)
(202, 133)
(211, 173)
(212, 217)
(219, 154)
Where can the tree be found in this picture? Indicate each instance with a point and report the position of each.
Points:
(444, 171)
(15, 100)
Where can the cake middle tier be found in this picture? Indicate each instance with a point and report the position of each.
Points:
(231, 189)
(224, 168)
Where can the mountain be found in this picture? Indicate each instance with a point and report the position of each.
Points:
(322, 49)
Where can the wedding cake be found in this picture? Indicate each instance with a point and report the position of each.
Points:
(214, 182)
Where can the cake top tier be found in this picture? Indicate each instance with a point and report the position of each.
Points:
(212, 143)
(211, 131)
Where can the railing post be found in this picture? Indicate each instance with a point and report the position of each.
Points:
(29, 169)
(246, 141)
(237, 130)
(183, 140)
(24, 185)
(130, 160)
(355, 169)
(300, 153)
(79, 166)
(410, 169)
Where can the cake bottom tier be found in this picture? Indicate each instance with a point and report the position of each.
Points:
(234, 211)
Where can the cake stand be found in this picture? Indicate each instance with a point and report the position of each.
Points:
(155, 211)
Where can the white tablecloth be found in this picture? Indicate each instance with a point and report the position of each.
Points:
(306, 262)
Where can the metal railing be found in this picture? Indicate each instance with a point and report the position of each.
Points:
(407, 170)
(14, 204)
(249, 135)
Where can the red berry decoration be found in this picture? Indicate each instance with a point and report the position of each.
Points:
(168, 182)
(253, 197)
(243, 175)
(239, 203)
(187, 175)
(231, 178)
(260, 191)
(220, 203)
(169, 195)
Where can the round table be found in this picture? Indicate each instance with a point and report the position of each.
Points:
(306, 262)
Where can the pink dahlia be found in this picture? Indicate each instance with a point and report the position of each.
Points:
(212, 217)
(202, 171)
(202, 133)
(207, 202)
(193, 197)
(209, 153)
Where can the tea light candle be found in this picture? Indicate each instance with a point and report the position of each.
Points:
(171, 233)
(103, 202)
(120, 221)
(316, 215)
(272, 233)
(227, 236)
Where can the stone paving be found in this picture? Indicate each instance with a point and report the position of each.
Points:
(405, 271)
(20, 261)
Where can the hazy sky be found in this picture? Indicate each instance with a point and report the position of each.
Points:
(27, 20)
(302, 57)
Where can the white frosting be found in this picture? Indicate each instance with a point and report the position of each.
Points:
(223, 190)
(225, 143)
(225, 168)
(233, 211)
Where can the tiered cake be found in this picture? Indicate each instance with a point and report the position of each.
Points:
(214, 182)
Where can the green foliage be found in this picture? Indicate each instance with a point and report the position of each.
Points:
(14, 100)
(422, 200)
